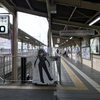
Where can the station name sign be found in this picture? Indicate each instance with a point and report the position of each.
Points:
(76, 32)
(4, 24)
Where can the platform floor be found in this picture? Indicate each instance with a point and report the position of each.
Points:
(78, 82)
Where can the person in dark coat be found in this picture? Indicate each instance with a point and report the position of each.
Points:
(64, 53)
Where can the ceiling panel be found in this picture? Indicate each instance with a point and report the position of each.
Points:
(64, 10)
(38, 5)
(21, 3)
(86, 12)
(57, 27)
(10, 2)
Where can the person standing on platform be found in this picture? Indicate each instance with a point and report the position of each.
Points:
(57, 51)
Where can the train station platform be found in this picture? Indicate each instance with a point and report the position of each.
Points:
(78, 82)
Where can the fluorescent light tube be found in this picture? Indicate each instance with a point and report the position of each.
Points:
(97, 19)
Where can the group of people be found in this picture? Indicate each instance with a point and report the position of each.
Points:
(64, 53)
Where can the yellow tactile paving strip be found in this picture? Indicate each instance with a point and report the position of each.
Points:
(78, 83)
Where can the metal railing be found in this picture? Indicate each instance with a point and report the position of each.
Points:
(8, 51)
(6, 65)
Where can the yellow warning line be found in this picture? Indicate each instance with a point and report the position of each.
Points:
(42, 87)
(72, 75)
(78, 83)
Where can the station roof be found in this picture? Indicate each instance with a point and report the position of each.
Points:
(66, 15)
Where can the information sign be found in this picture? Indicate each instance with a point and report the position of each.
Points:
(4, 24)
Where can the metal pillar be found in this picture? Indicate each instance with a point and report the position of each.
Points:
(28, 47)
(71, 51)
(81, 55)
(49, 21)
(49, 36)
(14, 47)
(91, 60)
(22, 47)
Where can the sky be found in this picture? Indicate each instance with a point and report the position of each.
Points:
(33, 25)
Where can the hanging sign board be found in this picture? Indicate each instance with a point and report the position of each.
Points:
(76, 32)
(4, 24)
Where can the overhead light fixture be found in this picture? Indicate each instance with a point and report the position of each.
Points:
(97, 19)
(71, 37)
(66, 40)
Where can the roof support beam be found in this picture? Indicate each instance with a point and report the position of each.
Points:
(80, 3)
(78, 42)
(70, 17)
(98, 31)
(76, 24)
(31, 12)
(72, 43)
(55, 31)
(49, 20)
(92, 17)
(5, 5)
(66, 44)
(82, 14)
(13, 3)
(29, 4)
(48, 8)
(72, 14)
(57, 36)
(87, 40)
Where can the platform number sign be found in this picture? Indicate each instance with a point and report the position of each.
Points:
(4, 24)
(58, 40)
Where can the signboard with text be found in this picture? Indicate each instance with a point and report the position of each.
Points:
(76, 32)
(4, 24)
